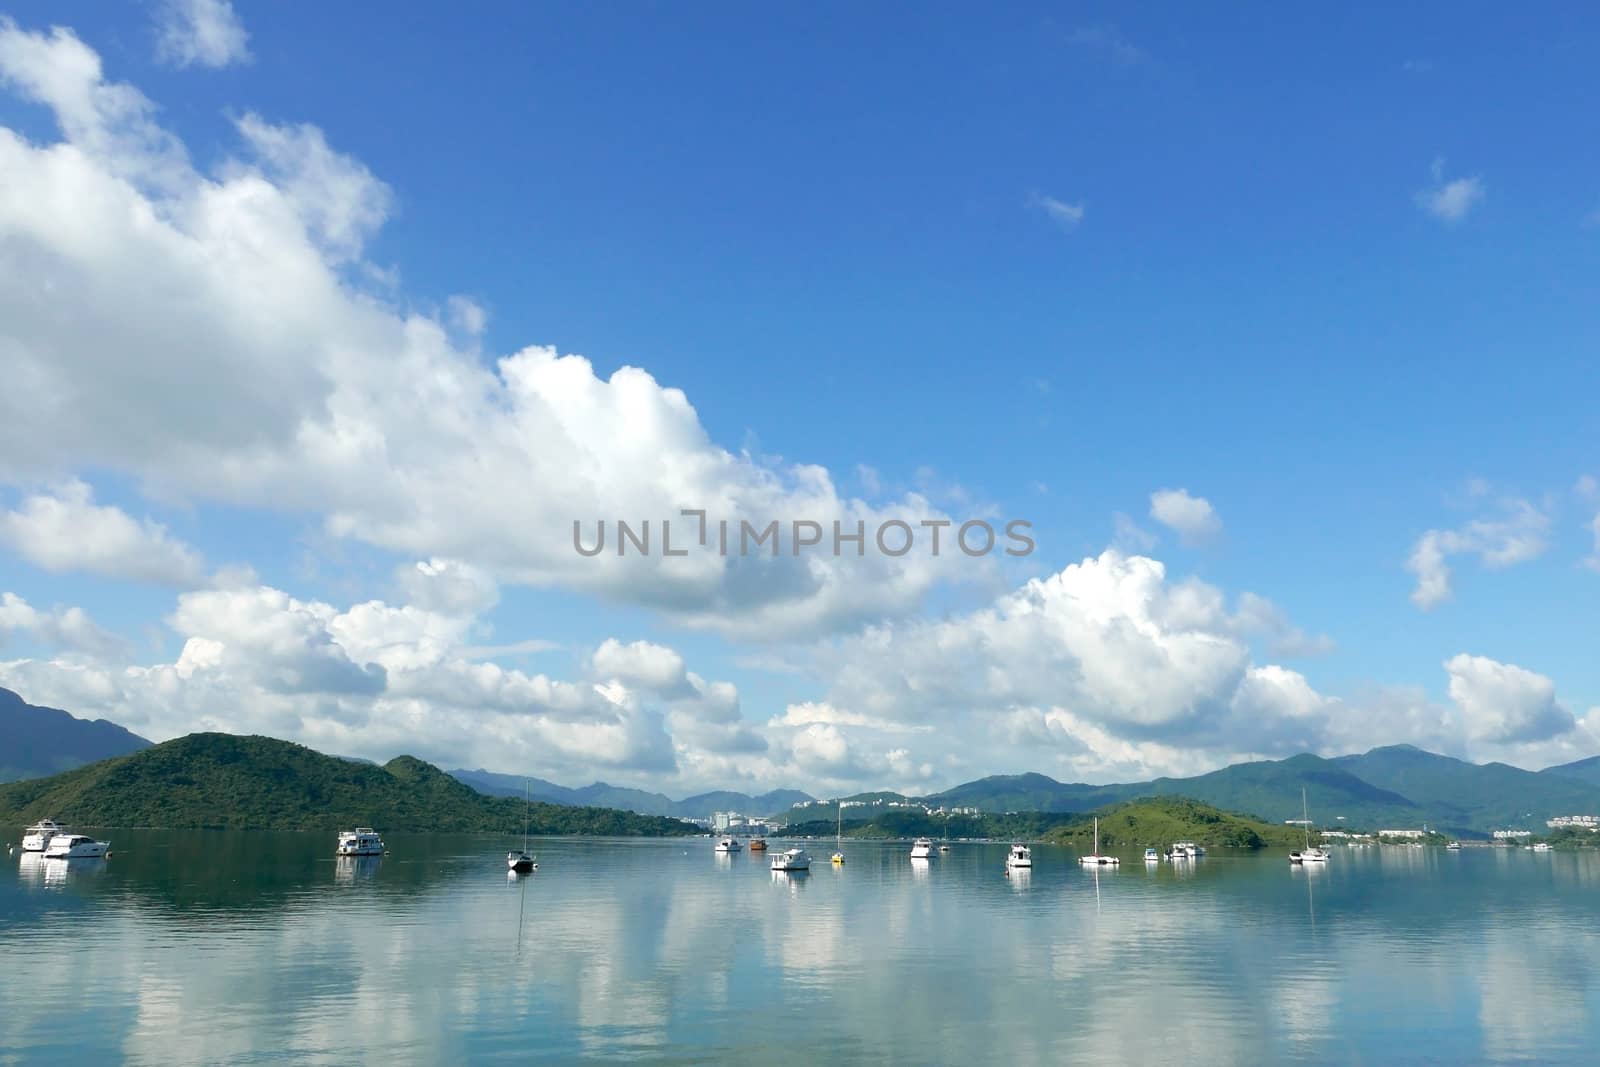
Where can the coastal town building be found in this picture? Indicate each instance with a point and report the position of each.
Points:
(1512, 835)
(1574, 822)
(1402, 833)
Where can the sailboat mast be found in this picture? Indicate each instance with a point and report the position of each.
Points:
(526, 806)
(1305, 816)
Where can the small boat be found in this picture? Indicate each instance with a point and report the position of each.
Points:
(1152, 856)
(795, 859)
(1094, 859)
(1021, 856)
(520, 860)
(36, 838)
(728, 844)
(1307, 854)
(1454, 846)
(921, 848)
(758, 845)
(362, 841)
(1542, 846)
(1183, 850)
(944, 848)
(75, 847)
(837, 859)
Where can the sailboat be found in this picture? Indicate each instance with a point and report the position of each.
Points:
(1094, 859)
(521, 860)
(1307, 854)
(838, 835)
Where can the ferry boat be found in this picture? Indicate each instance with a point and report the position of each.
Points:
(795, 859)
(1021, 856)
(758, 845)
(921, 849)
(362, 841)
(728, 844)
(36, 838)
(75, 847)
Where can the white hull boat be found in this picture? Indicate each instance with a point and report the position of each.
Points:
(36, 838)
(728, 844)
(1021, 857)
(921, 849)
(76, 847)
(362, 841)
(1307, 854)
(1095, 859)
(795, 859)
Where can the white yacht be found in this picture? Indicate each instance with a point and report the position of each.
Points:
(1307, 854)
(75, 847)
(1020, 856)
(1184, 850)
(728, 844)
(1454, 846)
(1542, 846)
(36, 838)
(362, 841)
(1094, 859)
(795, 859)
(921, 849)
(1152, 856)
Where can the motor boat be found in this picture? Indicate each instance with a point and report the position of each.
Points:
(76, 847)
(362, 841)
(728, 844)
(1454, 846)
(1020, 856)
(1542, 846)
(921, 849)
(36, 838)
(1152, 856)
(795, 859)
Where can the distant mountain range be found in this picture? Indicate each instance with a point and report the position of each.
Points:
(601, 795)
(1398, 786)
(1395, 786)
(37, 741)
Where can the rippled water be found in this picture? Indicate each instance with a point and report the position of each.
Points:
(244, 948)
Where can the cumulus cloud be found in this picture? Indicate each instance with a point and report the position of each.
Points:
(1501, 702)
(1192, 517)
(242, 285)
(1516, 535)
(65, 530)
(1450, 201)
(66, 629)
(204, 33)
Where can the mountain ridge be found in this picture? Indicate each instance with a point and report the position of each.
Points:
(41, 741)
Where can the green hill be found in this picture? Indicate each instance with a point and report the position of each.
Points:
(1584, 770)
(1158, 821)
(221, 781)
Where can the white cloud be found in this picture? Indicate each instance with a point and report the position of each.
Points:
(1516, 536)
(204, 33)
(65, 530)
(1450, 201)
(1503, 703)
(1193, 517)
(242, 286)
(1062, 213)
(69, 630)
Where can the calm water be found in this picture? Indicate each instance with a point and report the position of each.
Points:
(245, 948)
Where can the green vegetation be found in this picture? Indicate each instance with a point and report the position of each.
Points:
(1156, 821)
(1148, 821)
(220, 781)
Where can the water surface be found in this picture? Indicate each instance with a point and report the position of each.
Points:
(213, 947)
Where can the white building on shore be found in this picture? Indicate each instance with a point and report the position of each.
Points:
(1574, 822)
(1403, 833)
(1512, 835)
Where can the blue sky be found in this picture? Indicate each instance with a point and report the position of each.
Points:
(1330, 273)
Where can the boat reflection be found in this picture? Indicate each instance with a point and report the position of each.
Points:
(795, 880)
(1020, 878)
(350, 869)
